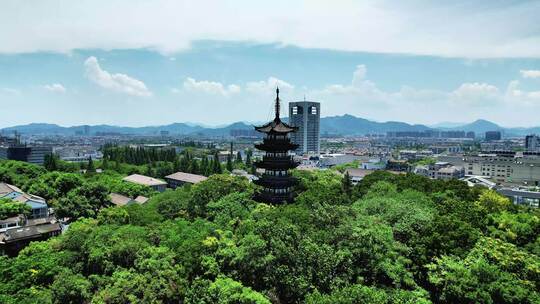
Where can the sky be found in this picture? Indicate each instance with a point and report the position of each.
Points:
(138, 63)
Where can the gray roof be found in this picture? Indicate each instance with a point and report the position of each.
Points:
(187, 177)
(6, 189)
(144, 180)
(12, 219)
(28, 232)
(141, 199)
(356, 172)
(518, 192)
(119, 199)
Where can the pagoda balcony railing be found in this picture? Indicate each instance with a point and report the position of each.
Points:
(287, 158)
(277, 163)
(269, 181)
(282, 146)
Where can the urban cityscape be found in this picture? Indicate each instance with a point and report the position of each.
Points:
(127, 188)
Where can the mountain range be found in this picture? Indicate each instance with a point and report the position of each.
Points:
(346, 125)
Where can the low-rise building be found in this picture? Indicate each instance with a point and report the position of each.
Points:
(473, 180)
(37, 204)
(357, 174)
(154, 183)
(332, 159)
(521, 196)
(413, 155)
(441, 170)
(374, 164)
(12, 240)
(118, 199)
(505, 167)
(179, 179)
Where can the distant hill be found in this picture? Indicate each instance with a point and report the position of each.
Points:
(352, 125)
(481, 126)
(346, 125)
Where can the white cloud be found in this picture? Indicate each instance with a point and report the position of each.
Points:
(473, 29)
(469, 101)
(359, 75)
(55, 88)
(115, 82)
(210, 87)
(476, 94)
(268, 86)
(530, 73)
(263, 87)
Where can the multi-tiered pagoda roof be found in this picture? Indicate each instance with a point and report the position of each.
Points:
(276, 181)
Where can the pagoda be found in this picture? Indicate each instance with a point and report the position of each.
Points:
(277, 183)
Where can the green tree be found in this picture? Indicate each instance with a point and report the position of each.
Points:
(347, 183)
(70, 288)
(224, 291)
(229, 163)
(50, 162)
(90, 167)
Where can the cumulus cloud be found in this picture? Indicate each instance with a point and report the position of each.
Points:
(115, 82)
(530, 73)
(210, 87)
(268, 85)
(265, 87)
(359, 75)
(476, 94)
(55, 88)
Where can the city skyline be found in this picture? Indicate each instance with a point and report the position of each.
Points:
(183, 71)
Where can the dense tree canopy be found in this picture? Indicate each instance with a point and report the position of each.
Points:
(389, 239)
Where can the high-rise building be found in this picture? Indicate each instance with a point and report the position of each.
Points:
(532, 143)
(493, 135)
(31, 154)
(277, 183)
(306, 116)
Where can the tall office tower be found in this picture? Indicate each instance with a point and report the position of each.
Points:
(306, 116)
(532, 143)
(493, 135)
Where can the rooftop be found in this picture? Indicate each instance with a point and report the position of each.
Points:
(187, 177)
(28, 232)
(119, 199)
(6, 189)
(144, 180)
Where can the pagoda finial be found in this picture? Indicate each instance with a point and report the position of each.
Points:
(277, 102)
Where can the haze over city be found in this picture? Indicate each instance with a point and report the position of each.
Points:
(137, 63)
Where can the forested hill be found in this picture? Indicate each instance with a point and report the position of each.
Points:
(331, 125)
(389, 239)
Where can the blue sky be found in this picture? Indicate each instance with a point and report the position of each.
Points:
(156, 62)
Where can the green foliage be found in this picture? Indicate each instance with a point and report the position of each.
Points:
(490, 201)
(84, 201)
(9, 208)
(364, 294)
(389, 239)
(493, 272)
(224, 291)
(342, 167)
(213, 189)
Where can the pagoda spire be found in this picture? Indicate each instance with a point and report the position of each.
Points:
(277, 103)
